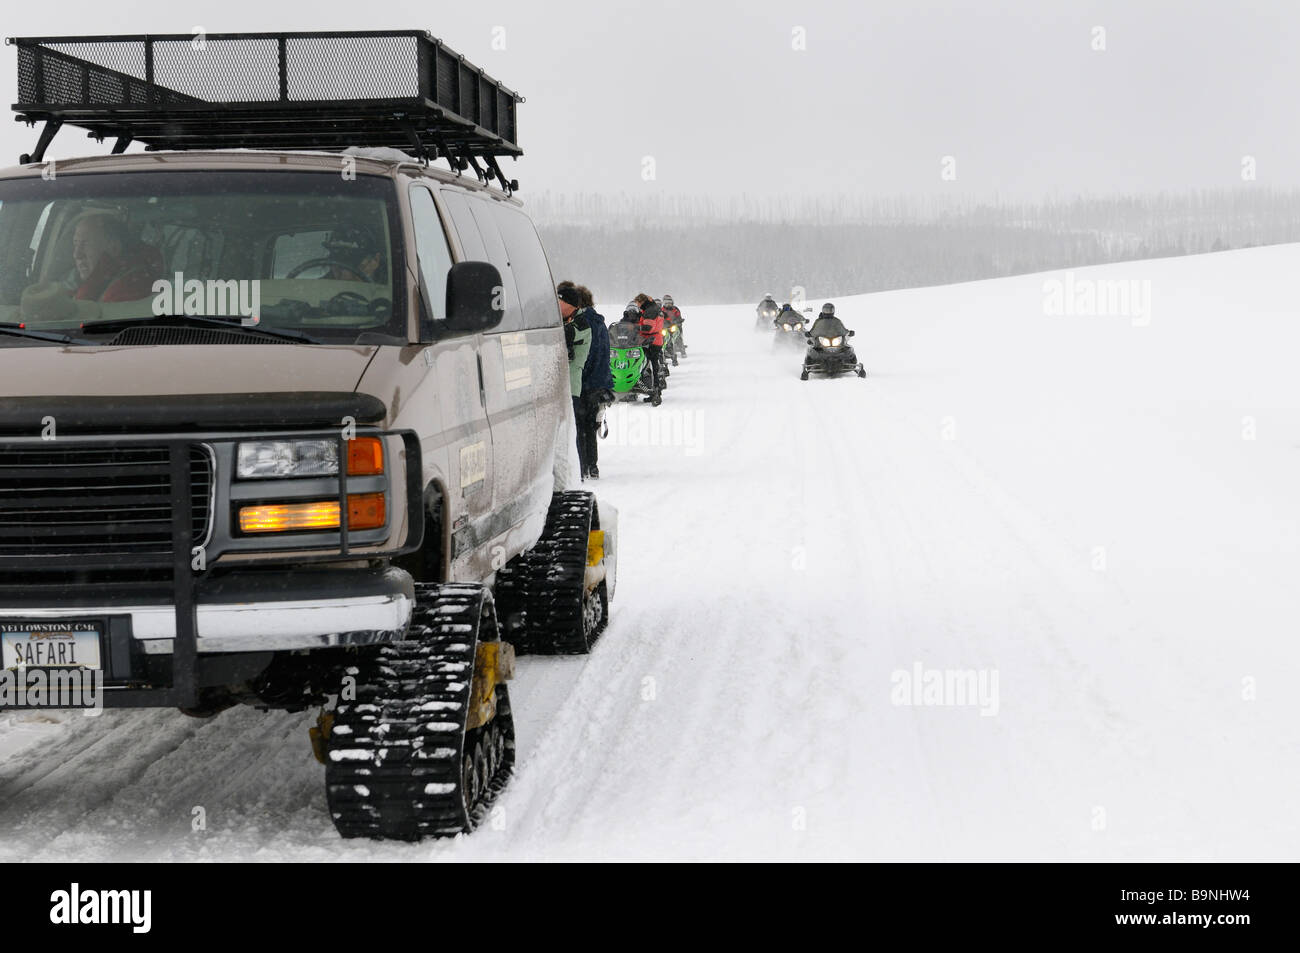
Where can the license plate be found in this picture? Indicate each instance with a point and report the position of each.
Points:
(71, 643)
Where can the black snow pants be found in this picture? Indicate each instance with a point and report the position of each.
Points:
(655, 353)
(585, 410)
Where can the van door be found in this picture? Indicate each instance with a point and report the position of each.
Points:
(543, 348)
(458, 379)
(507, 373)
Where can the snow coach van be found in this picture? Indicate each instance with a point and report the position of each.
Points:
(285, 417)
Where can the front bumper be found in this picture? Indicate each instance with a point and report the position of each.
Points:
(830, 360)
(247, 612)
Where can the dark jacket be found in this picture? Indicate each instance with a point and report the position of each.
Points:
(596, 374)
(830, 327)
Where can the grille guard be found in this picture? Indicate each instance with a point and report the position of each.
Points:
(335, 546)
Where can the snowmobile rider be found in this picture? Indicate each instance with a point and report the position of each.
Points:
(827, 325)
(577, 338)
(673, 315)
(787, 313)
(651, 325)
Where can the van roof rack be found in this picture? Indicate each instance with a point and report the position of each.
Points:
(402, 89)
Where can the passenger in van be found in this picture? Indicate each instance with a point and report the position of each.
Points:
(357, 253)
(110, 265)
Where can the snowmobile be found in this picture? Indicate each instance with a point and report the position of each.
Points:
(830, 357)
(791, 331)
(628, 362)
(767, 312)
(674, 346)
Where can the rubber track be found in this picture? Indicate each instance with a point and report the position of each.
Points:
(544, 586)
(394, 756)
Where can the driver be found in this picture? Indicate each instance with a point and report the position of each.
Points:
(827, 325)
(110, 265)
(356, 252)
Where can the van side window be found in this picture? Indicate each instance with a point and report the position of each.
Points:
(473, 218)
(466, 230)
(531, 269)
(431, 246)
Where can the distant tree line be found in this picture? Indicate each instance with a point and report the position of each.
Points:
(714, 249)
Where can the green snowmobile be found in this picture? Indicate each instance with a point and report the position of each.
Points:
(628, 361)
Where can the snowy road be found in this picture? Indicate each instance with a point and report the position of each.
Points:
(1094, 515)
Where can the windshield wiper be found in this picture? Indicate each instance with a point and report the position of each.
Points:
(181, 320)
(22, 331)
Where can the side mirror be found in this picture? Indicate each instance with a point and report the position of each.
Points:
(475, 297)
(850, 334)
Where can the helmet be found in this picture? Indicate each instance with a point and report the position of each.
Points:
(668, 300)
(658, 301)
(351, 244)
(767, 296)
(786, 307)
(828, 310)
(632, 308)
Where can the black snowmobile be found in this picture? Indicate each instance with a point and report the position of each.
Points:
(766, 312)
(829, 352)
(791, 329)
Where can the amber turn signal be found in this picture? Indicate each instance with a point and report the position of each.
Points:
(365, 456)
(366, 510)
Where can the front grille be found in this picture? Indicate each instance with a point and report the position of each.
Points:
(95, 502)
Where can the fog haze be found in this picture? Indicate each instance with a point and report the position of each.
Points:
(723, 100)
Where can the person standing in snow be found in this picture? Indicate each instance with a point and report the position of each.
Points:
(597, 381)
(577, 337)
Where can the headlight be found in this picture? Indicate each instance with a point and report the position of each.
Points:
(798, 327)
(836, 342)
(824, 342)
(786, 326)
(635, 352)
(265, 459)
(271, 459)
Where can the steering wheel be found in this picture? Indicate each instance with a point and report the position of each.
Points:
(318, 262)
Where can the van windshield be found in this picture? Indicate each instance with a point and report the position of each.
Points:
(311, 253)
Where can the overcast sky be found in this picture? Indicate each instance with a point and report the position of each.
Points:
(719, 95)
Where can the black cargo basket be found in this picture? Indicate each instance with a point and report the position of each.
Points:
(402, 89)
